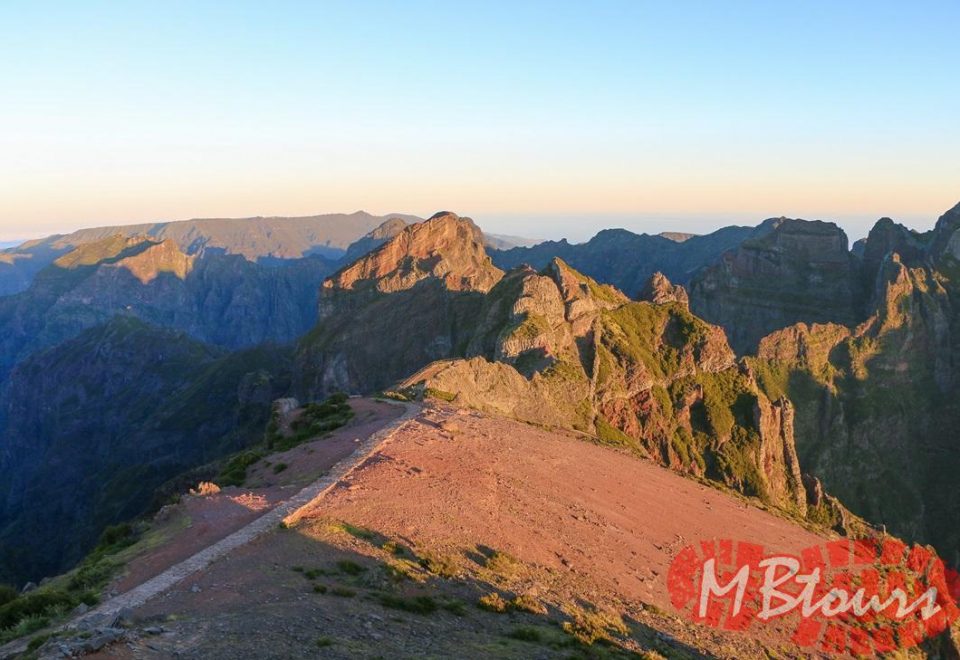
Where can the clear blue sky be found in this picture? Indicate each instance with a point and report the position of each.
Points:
(535, 118)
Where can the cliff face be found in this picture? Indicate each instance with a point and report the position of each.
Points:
(660, 290)
(445, 248)
(801, 271)
(876, 404)
(553, 347)
(558, 349)
(90, 428)
(411, 301)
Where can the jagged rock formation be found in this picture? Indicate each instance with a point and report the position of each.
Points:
(407, 303)
(945, 244)
(799, 271)
(659, 290)
(558, 349)
(445, 248)
(89, 430)
(876, 404)
(552, 347)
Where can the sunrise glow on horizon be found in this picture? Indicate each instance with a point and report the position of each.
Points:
(537, 119)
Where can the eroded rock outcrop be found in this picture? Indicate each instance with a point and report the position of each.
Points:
(801, 271)
(660, 290)
(415, 299)
(446, 248)
(557, 348)
(876, 404)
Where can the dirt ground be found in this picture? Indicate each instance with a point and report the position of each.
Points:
(198, 522)
(455, 507)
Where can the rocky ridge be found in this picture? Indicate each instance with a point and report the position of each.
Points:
(876, 403)
(557, 349)
(798, 271)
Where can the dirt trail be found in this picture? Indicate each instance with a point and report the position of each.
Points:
(199, 522)
(135, 597)
(589, 526)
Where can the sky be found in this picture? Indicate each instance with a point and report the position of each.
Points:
(540, 119)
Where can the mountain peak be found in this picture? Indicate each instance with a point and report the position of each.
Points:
(574, 285)
(446, 214)
(446, 247)
(660, 290)
(946, 241)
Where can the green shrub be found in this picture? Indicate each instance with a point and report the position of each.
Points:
(434, 393)
(25, 626)
(394, 548)
(611, 435)
(589, 627)
(116, 537)
(526, 634)
(503, 564)
(35, 604)
(415, 605)
(445, 566)
(348, 567)
(315, 420)
(235, 471)
(7, 594)
(529, 604)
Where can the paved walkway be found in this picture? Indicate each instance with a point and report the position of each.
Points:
(287, 512)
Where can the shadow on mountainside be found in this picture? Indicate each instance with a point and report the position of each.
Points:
(331, 589)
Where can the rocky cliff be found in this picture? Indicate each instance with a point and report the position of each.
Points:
(445, 248)
(660, 290)
(876, 404)
(800, 271)
(411, 301)
(556, 348)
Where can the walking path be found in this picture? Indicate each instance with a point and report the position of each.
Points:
(286, 512)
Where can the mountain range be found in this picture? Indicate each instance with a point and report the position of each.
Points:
(775, 361)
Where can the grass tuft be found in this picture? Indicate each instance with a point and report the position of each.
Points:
(493, 602)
